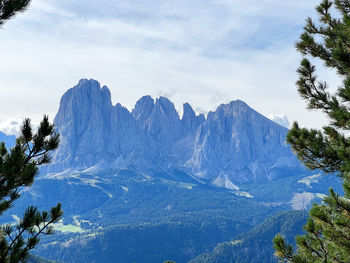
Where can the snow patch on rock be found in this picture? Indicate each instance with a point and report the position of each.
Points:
(310, 179)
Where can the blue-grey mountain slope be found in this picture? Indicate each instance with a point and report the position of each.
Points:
(256, 246)
(118, 171)
(233, 145)
(236, 144)
(9, 140)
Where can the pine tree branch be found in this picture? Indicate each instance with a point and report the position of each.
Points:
(20, 233)
(9, 8)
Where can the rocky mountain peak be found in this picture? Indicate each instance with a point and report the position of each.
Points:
(143, 108)
(189, 113)
(83, 120)
(234, 144)
(166, 108)
(239, 144)
(85, 98)
(190, 121)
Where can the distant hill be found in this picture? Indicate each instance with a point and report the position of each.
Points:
(9, 140)
(179, 241)
(256, 246)
(36, 259)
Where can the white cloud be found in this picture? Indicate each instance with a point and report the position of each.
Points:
(11, 126)
(201, 53)
(280, 119)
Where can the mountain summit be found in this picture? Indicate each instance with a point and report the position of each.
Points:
(234, 144)
(238, 144)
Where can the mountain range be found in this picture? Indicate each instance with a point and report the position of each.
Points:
(232, 145)
(124, 177)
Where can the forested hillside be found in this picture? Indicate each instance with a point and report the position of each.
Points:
(256, 246)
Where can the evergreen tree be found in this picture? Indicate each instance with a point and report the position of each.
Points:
(9, 8)
(18, 167)
(327, 237)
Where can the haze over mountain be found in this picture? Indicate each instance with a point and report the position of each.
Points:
(234, 144)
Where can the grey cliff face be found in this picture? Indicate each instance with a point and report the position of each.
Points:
(234, 144)
(143, 109)
(190, 121)
(163, 124)
(239, 144)
(93, 131)
(82, 121)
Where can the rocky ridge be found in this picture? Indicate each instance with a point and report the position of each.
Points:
(233, 144)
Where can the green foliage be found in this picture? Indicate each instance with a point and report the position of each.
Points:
(18, 167)
(9, 8)
(255, 246)
(328, 233)
(150, 242)
(170, 222)
(36, 259)
(327, 238)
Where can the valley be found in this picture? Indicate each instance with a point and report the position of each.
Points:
(147, 185)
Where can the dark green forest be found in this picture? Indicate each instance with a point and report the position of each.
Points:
(256, 246)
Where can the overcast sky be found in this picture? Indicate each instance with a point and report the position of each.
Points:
(202, 52)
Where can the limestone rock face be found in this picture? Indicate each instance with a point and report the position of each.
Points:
(239, 144)
(190, 122)
(143, 109)
(93, 131)
(234, 144)
(82, 121)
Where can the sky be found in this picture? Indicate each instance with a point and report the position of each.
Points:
(204, 52)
